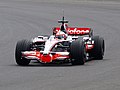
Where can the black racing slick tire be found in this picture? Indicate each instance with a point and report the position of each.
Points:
(23, 45)
(99, 48)
(78, 52)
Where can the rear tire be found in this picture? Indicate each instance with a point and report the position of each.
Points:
(23, 45)
(99, 48)
(77, 52)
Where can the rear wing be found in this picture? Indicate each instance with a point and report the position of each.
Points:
(74, 31)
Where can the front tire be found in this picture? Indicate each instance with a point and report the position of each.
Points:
(78, 52)
(23, 45)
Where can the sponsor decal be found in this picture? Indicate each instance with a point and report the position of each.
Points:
(78, 31)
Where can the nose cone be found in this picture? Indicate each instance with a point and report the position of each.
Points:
(46, 58)
(49, 44)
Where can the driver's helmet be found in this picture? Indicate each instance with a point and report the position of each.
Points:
(61, 35)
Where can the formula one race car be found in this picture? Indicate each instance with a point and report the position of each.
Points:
(67, 44)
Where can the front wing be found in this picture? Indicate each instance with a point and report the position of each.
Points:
(45, 58)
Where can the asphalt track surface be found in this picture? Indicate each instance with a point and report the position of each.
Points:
(27, 19)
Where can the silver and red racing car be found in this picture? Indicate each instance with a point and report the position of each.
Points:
(67, 44)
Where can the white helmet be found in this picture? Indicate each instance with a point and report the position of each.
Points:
(61, 35)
